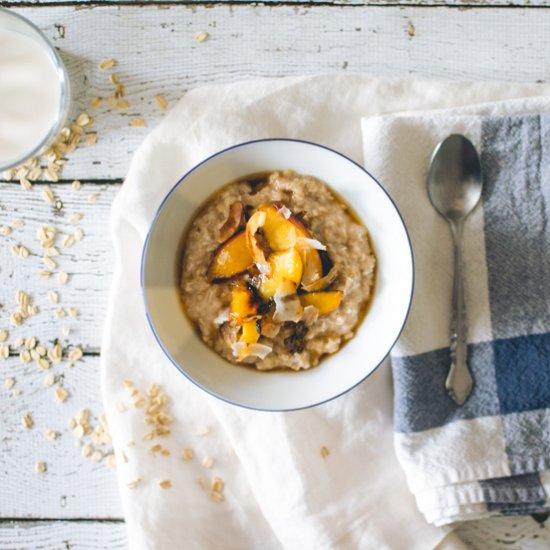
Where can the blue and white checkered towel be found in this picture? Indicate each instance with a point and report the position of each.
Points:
(492, 455)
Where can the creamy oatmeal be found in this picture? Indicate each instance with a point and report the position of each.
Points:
(277, 272)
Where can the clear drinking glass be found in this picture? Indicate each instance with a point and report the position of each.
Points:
(12, 24)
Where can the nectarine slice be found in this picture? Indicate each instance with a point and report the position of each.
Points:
(285, 264)
(243, 303)
(230, 259)
(250, 333)
(325, 302)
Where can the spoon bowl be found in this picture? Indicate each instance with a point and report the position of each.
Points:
(454, 187)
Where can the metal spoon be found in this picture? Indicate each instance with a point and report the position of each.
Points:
(454, 187)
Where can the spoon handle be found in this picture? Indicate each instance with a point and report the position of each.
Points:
(459, 380)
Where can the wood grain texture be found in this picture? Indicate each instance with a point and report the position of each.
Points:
(62, 535)
(89, 262)
(519, 533)
(73, 486)
(250, 41)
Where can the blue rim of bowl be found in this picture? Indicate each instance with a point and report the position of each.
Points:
(64, 98)
(144, 254)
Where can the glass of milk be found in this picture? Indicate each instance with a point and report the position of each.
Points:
(34, 90)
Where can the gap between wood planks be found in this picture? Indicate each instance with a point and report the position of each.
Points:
(15, 521)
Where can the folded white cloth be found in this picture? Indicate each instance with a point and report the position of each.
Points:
(279, 491)
(491, 455)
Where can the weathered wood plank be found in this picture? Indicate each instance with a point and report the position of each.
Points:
(56, 535)
(519, 533)
(378, 3)
(250, 41)
(73, 486)
(88, 262)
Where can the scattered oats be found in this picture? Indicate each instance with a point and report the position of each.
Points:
(50, 434)
(97, 456)
(111, 460)
(76, 185)
(56, 353)
(43, 363)
(91, 138)
(18, 223)
(96, 102)
(165, 484)
(53, 297)
(78, 234)
(324, 451)
(161, 102)
(72, 424)
(49, 263)
(66, 331)
(75, 354)
(165, 452)
(92, 197)
(30, 342)
(201, 36)
(201, 430)
(68, 241)
(14, 249)
(9, 383)
(16, 393)
(41, 350)
(5, 230)
(40, 467)
(107, 63)
(73, 312)
(47, 194)
(34, 174)
(52, 251)
(59, 313)
(122, 104)
(75, 218)
(208, 462)
(187, 454)
(128, 384)
(25, 356)
(112, 101)
(203, 483)
(86, 450)
(80, 431)
(218, 497)
(33, 310)
(133, 484)
(61, 394)
(137, 123)
(45, 274)
(156, 448)
(25, 184)
(3, 335)
(22, 298)
(16, 319)
(121, 407)
(18, 343)
(27, 422)
(50, 380)
(139, 403)
(62, 278)
(83, 119)
(120, 91)
(114, 78)
(24, 251)
(70, 365)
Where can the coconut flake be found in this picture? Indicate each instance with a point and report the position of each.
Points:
(287, 307)
(222, 317)
(304, 242)
(285, 211)
(310, 315)
(242, 350)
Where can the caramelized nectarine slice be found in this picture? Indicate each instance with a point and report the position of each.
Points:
(250, 333)
(230, 259)
(285, 264)
(243, 303)
(313, 266)
(325, 302)
(281, 232)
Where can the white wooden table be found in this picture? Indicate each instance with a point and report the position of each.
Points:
(75, 503)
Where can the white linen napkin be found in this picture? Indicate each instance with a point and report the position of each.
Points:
(490, 456)
(279, 490)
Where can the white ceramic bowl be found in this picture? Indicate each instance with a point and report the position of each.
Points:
(278, 391)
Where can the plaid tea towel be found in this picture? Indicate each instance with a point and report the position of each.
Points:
(490, 456)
